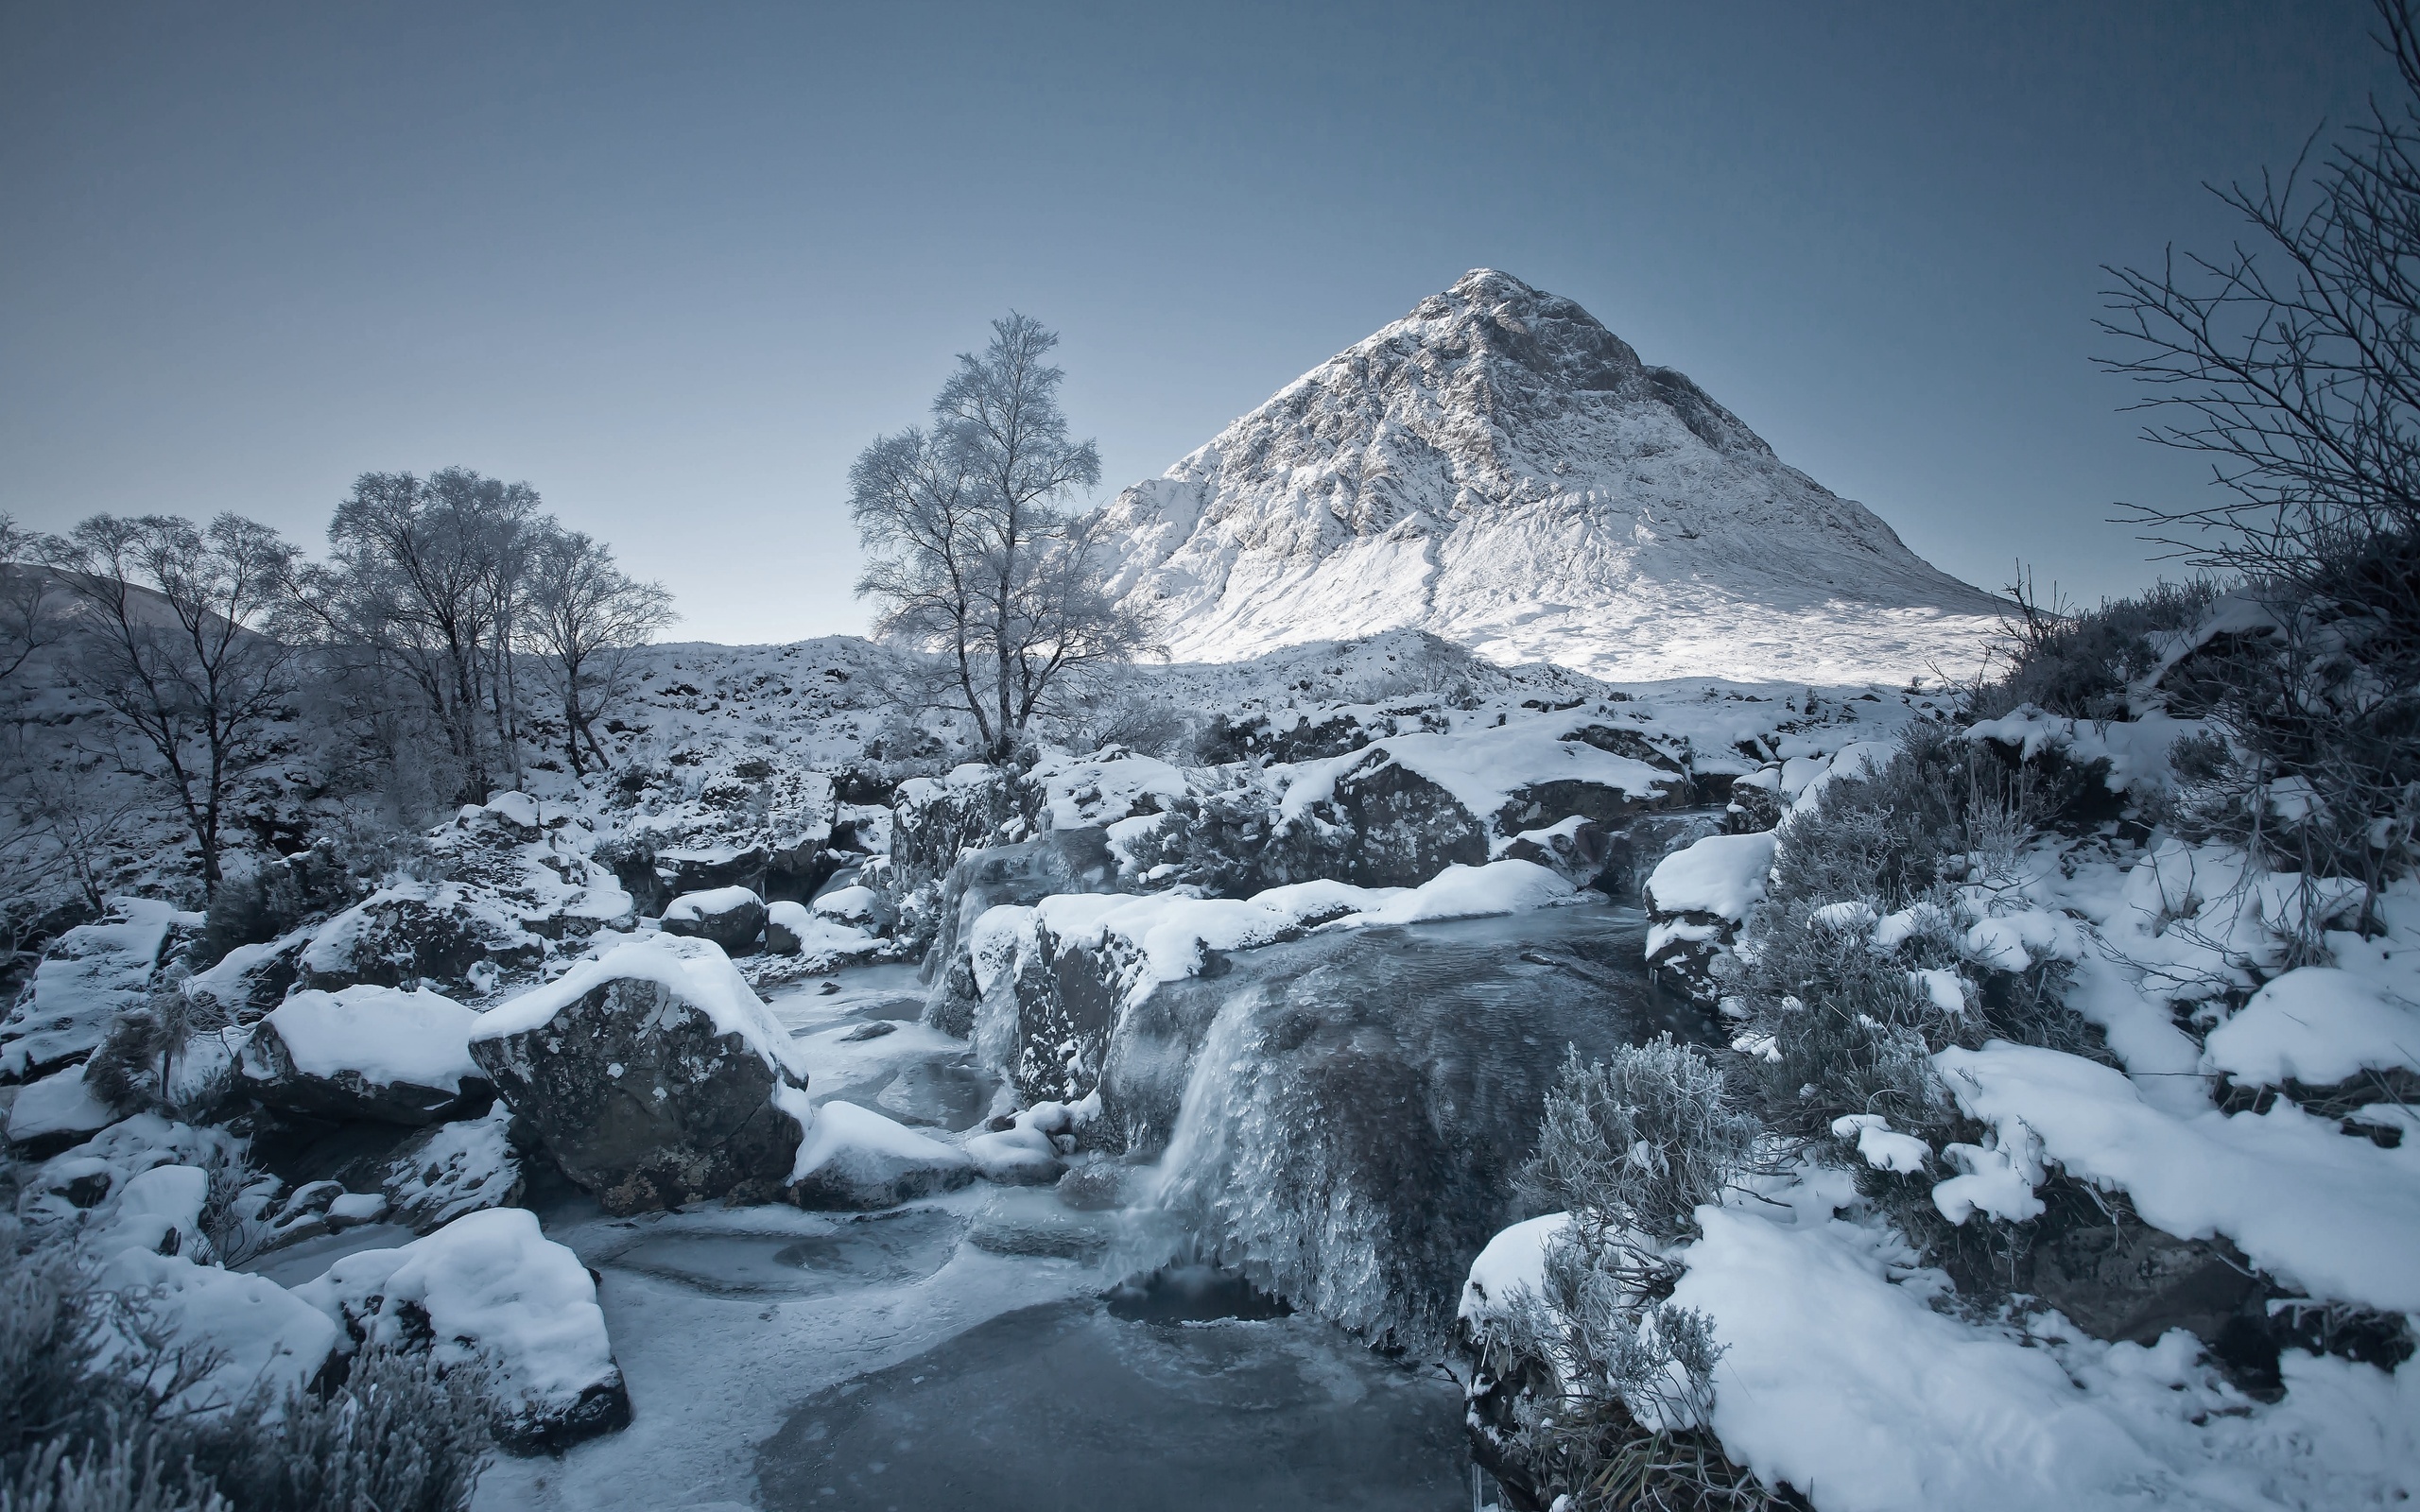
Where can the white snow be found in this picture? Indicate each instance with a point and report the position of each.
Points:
(847, 903)
(1839, 1377)
(1723, 875)
(2318, 1024)
(382, 1034)
(696, 970)
(1514, 1261)
(1481, 768)
(57, 1106)
(1883, 1148)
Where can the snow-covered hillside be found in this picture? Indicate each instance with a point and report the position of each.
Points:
(1499, 469)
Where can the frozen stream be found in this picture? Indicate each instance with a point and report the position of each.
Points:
(977, 1351)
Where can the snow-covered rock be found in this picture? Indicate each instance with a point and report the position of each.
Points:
(651, 1074)
(459, 938)
(441, 1173)
(817, 938)
(1500, 469)
(57, 1111)
(852, 1156)
(2318, 1025)
(89, 976)
(489, 1287)
(378, 1052)
(1697, 899)
(733, 918)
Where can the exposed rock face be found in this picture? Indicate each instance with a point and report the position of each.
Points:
(1062, 861)
(441, 1173)
(654, 1076)
(1500, 469)
(733, 918)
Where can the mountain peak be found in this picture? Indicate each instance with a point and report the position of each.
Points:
(1500, 469)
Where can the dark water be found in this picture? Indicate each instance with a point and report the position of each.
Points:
(1071, 1406)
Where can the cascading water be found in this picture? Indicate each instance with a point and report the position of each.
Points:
(1351, 1122)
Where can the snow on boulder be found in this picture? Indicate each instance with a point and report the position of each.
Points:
(2318, 1025)
(2337, 1217)
(852, 904)
(491, 1288)
(852, 1156)
(249, 980)
(1695, 901)
(57, 1111)
(651, 1073)
(1028, 1148)
(821, 941)
(438, 1176)
(459, 939)
(733, 918)
(91, 973)
(365, 1052)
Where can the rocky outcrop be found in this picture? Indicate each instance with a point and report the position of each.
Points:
(456, 937)
(1062, 861)
(855, 1158)
(91, 974)
(653, 1075)
(1697, 897)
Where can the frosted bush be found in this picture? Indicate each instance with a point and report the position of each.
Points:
(1632, 1145)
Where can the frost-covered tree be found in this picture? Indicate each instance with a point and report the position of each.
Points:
(424, 585)
(585, 618)
(172, 635)
(974, 550)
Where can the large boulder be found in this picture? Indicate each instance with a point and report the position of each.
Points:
(817, 940)
(459, 938)
(733, 918)
(377, 1053)
(653, 1074)
(249, 980)
(90, 974)
(490, 1288)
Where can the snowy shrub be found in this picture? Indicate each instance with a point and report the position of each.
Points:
(397, 1434)
(1631, 1147)
(1618, 1381)
(2082, 665)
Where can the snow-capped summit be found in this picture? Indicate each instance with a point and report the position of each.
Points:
(1498, 467)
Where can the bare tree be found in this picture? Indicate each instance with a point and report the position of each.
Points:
(973, 552)
(171, 636)
(586, 618)
(2294, 363)
(29, 602)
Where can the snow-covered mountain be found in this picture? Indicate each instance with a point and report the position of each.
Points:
(1499, 469)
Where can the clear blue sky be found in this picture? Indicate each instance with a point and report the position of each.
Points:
(675, 265)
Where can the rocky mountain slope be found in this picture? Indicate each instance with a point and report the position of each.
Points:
(1499, 469)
